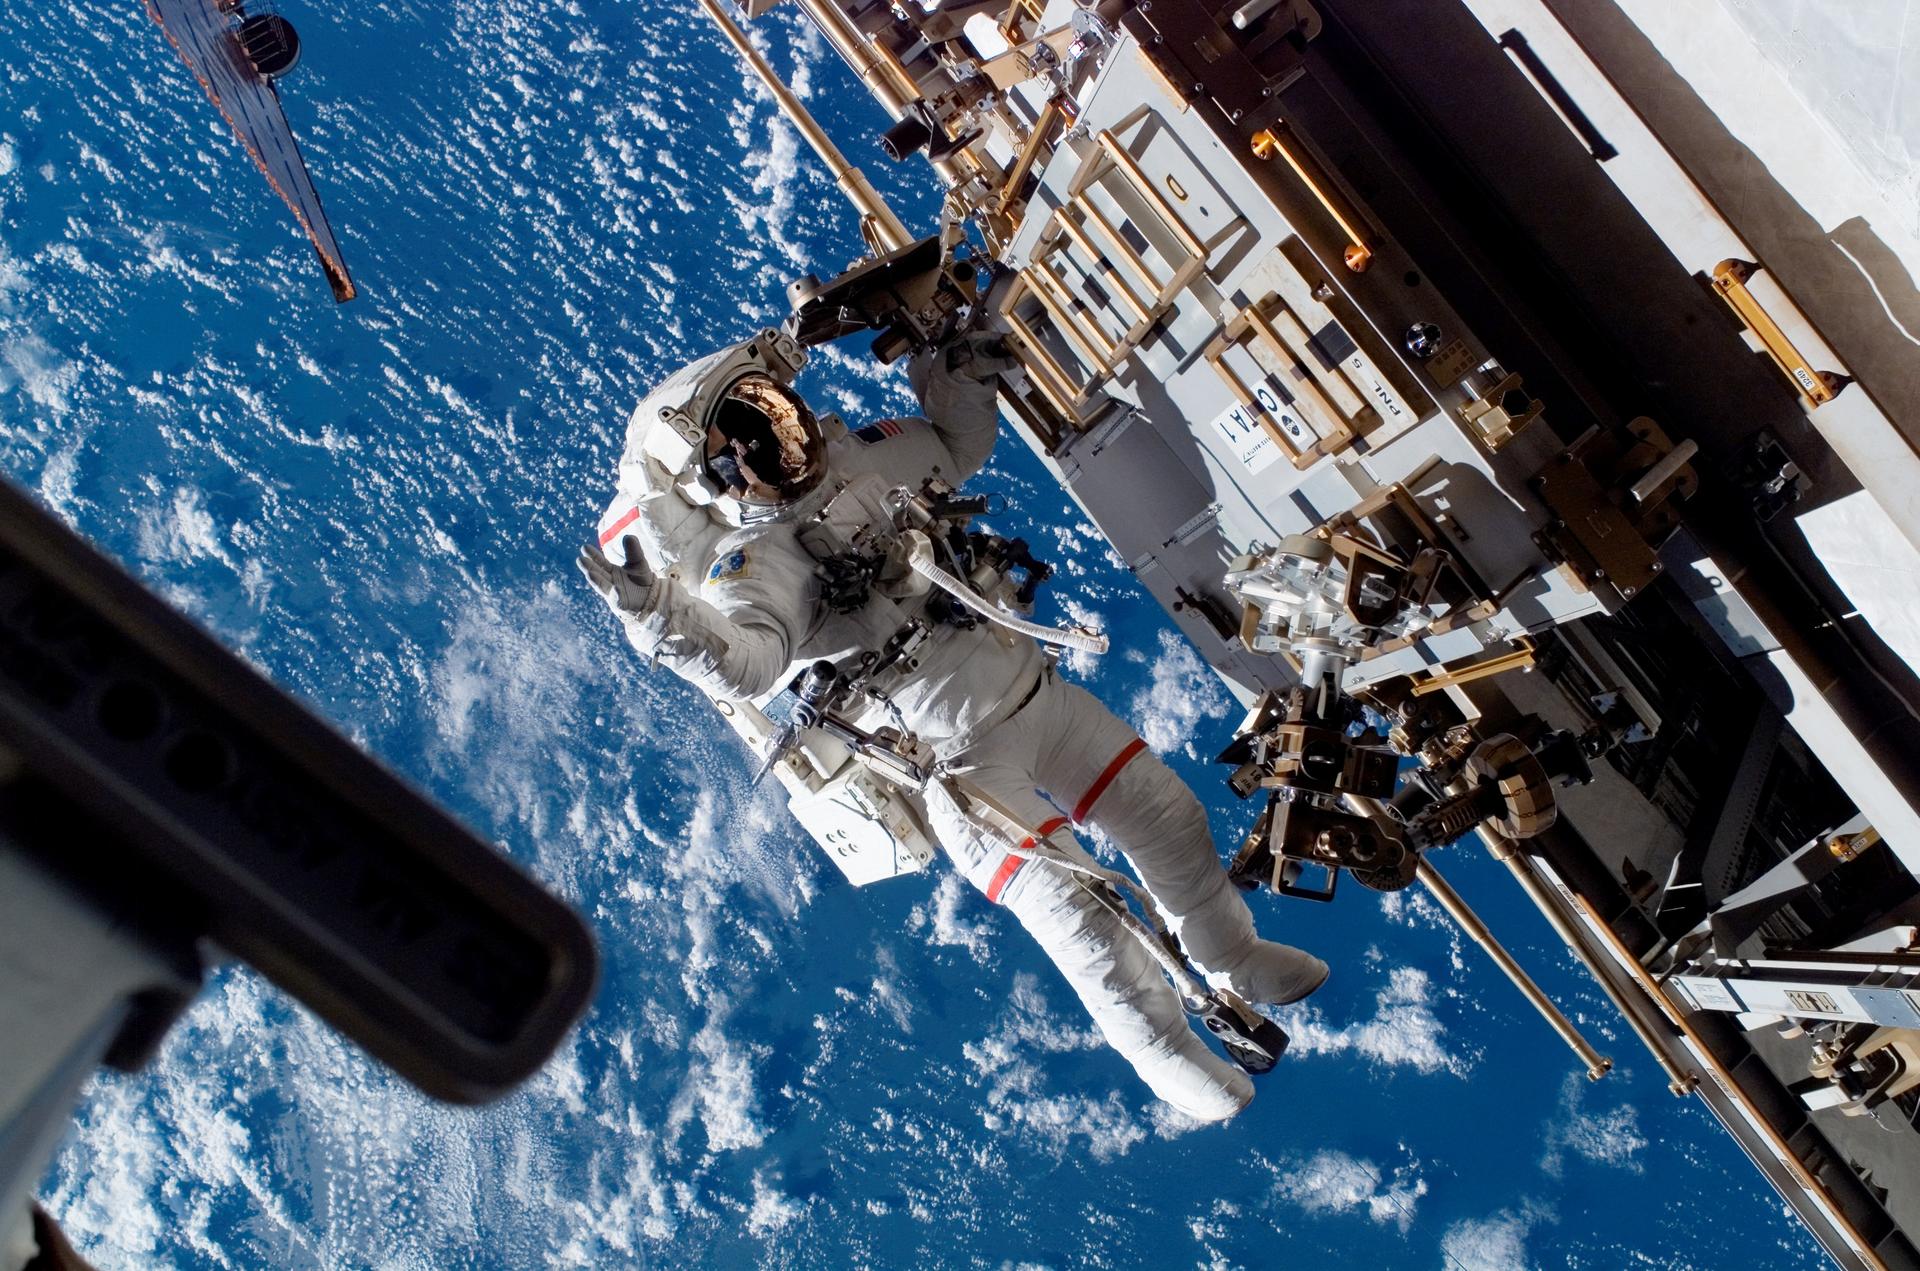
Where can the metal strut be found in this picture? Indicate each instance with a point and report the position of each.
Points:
(886, 229)
(1598, 1065)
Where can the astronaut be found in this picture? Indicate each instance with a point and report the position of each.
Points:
(716, 576)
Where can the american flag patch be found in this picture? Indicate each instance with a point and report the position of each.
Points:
(879, 430)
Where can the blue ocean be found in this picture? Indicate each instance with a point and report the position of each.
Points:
(548, 207)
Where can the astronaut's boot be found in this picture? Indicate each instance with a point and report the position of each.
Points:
(1180, 1069)
(1219, 936)
(1269, 973)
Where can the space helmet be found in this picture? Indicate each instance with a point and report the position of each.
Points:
(764, 445)
(730, 433)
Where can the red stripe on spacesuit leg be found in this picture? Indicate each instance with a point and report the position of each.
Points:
(1105, 779)
(613, 531)
(1010, 864)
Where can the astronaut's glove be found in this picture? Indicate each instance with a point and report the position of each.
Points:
(963, 373)
(979, 356)
(630, 590)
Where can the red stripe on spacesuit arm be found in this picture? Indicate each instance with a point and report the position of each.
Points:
(1105, 779)
(631, 515)
(1010, 864)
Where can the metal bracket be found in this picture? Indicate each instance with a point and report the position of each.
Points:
(1499, 413)
(1614, 501)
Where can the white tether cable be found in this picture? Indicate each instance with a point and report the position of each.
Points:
(920, 560)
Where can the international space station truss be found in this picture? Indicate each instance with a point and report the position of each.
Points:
(1496, 487)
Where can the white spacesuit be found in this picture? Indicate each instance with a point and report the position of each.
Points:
(717, 576)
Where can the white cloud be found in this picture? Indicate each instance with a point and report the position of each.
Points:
(1403, 1031)
(1605, 1138)
(734, 841)
(720, 1088)
(1496, 1243)
(779, 176)
(1169, 1122)
(1054, 1122)
(29, 365)
(110, 1200)
(772, 1209)
(1333, 1182)
(1413, 907)
(185, 531)
(13, 277)
(1011, 1063)
(612, 1219)
(885, 996)
(1182, 691)
(1214, 1227)
(943, 917)
(511, 675)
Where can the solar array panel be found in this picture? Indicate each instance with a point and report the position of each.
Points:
(204, 37)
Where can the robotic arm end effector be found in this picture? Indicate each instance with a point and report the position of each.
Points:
(1332, 801)
(911, 295)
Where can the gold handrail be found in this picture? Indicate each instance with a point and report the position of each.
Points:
(1598, 1065)
(1050, 114)
(1522, 655)
(1730, 283)
(1073, 231)
(1267, 143)
(1125, 161)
